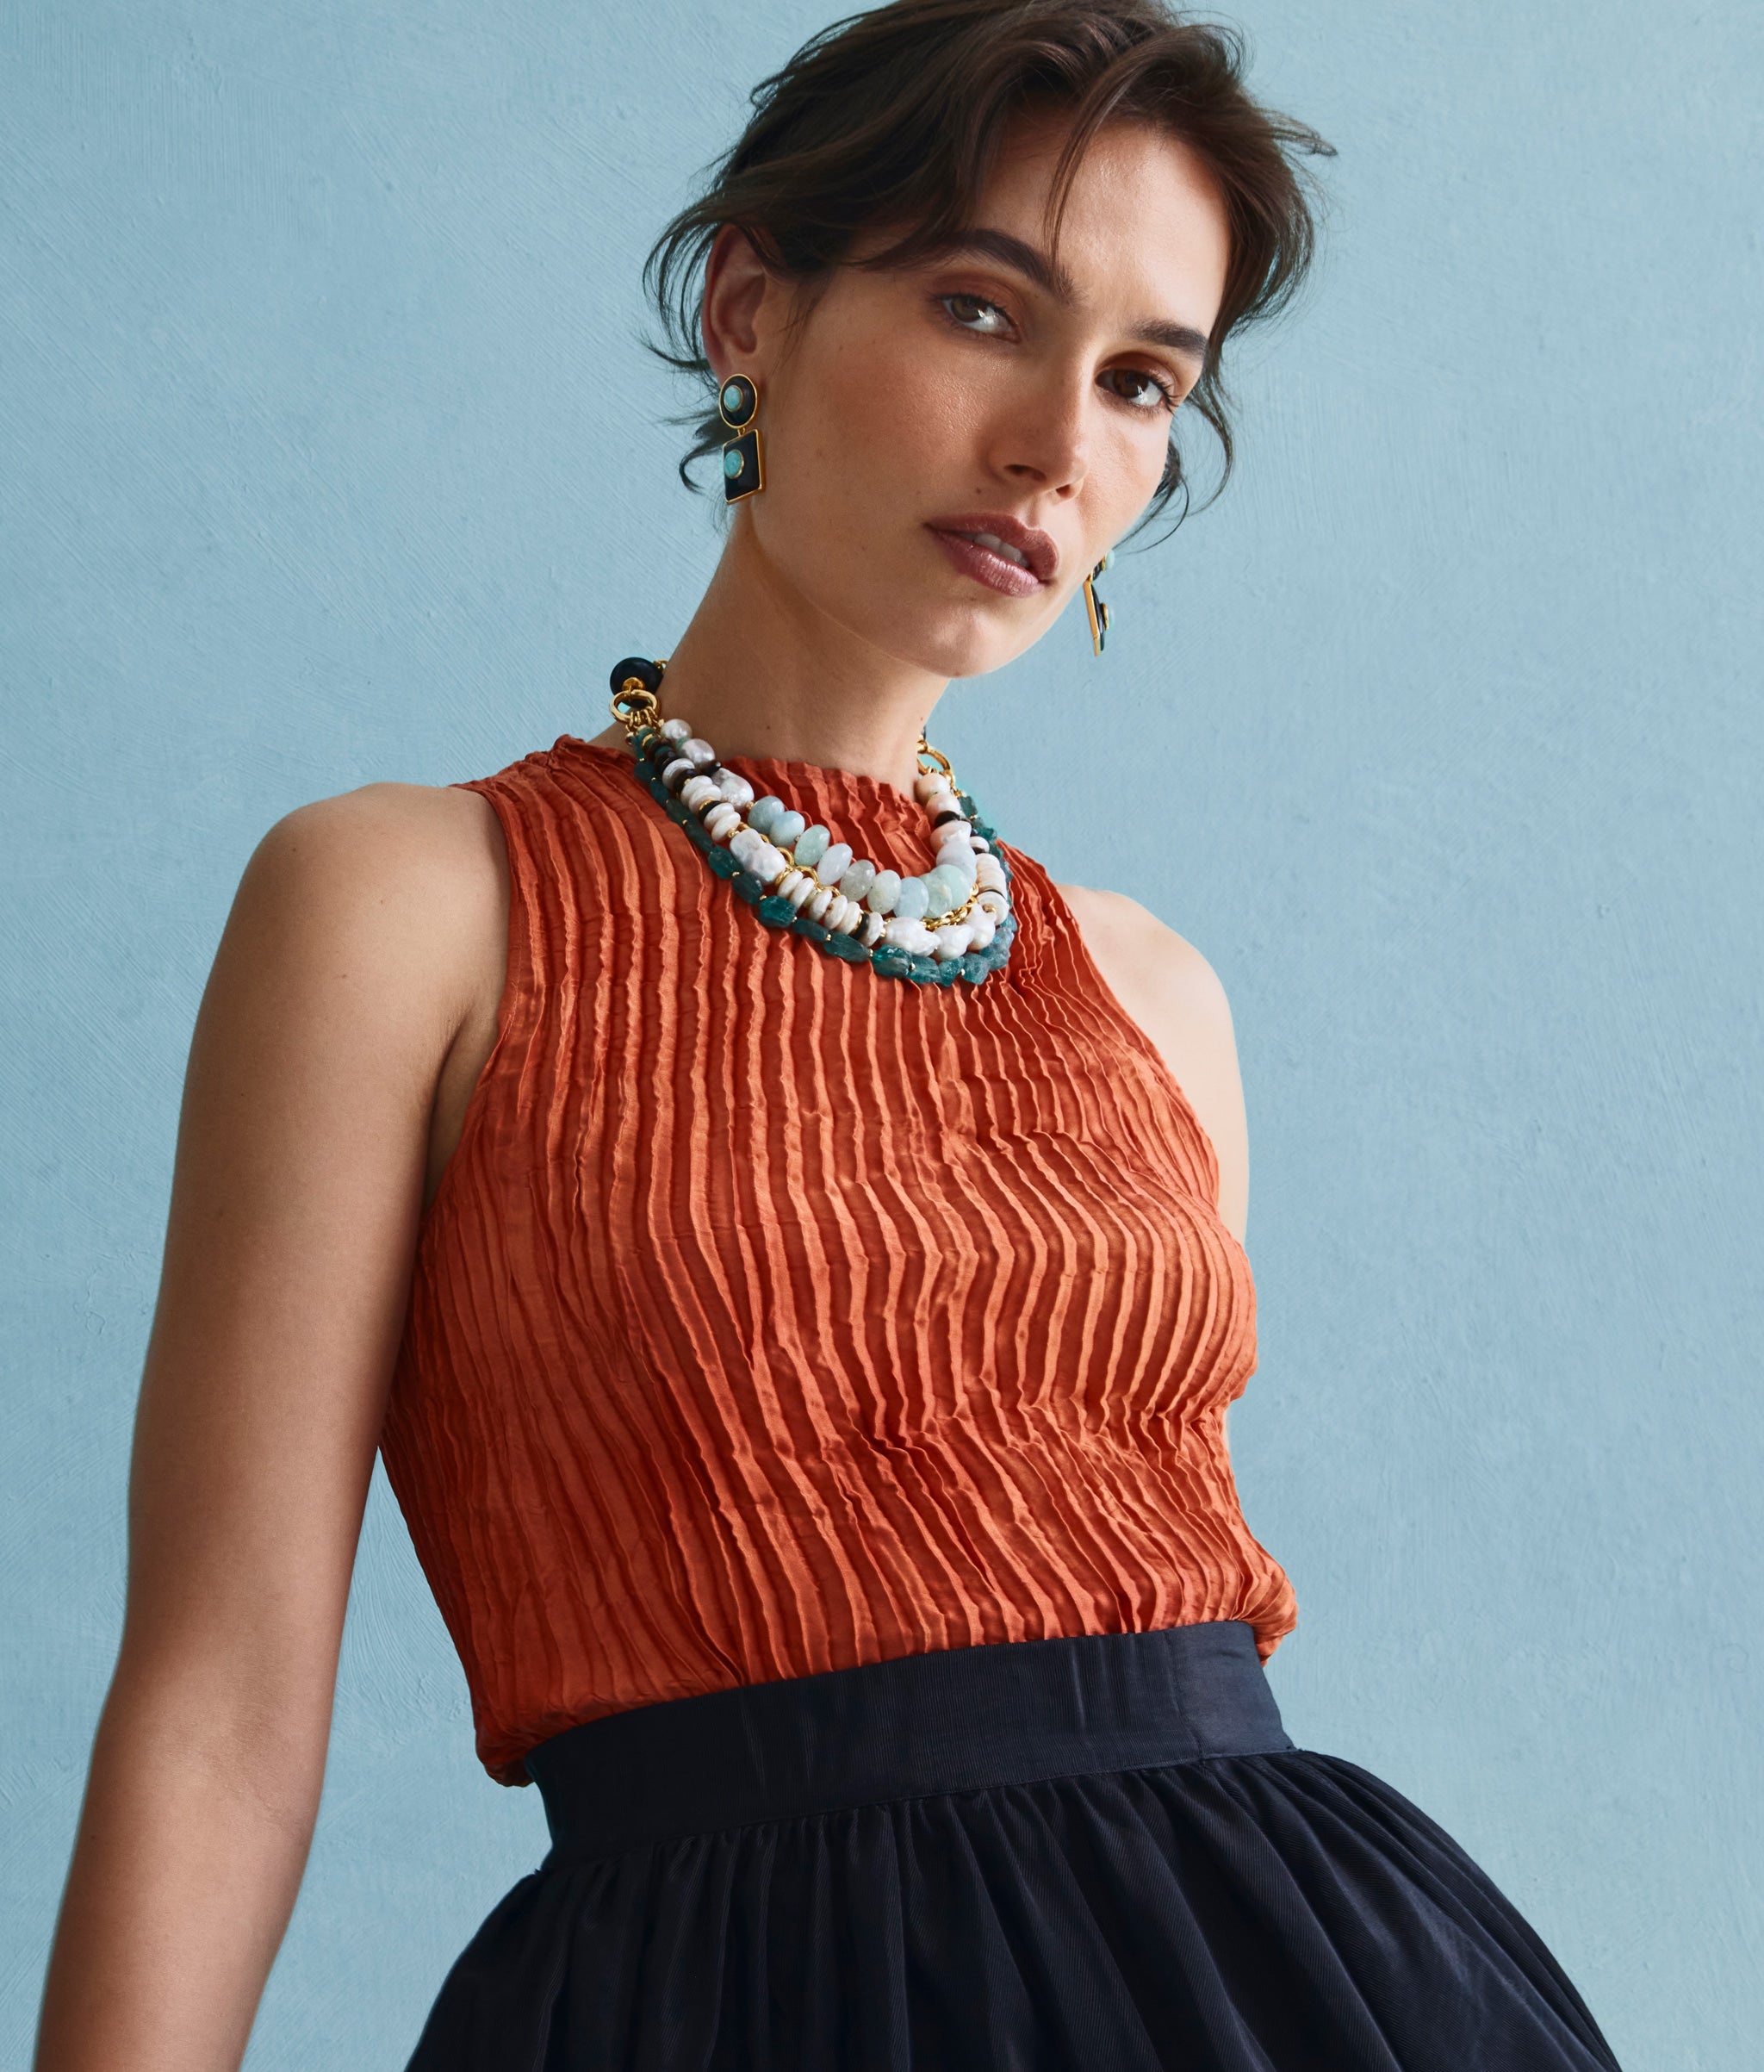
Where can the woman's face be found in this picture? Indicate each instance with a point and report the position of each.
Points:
(984, 393)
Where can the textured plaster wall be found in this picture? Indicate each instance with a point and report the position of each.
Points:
(329, 455)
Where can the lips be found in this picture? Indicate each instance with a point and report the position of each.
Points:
(1005, 540)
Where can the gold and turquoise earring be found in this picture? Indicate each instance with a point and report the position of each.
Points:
(1095, 605)
(744, 461)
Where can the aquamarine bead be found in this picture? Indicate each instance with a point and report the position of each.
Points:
(912, 900)
(938, 897)
(784, 828)
(954, 880)
(731, 462)
(732, 402)
(884, 889)
(763, 812)
(810, 846)
(859, 879)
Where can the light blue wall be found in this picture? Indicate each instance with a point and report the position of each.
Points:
(329, 456)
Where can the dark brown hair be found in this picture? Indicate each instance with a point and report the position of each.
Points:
(892, 119)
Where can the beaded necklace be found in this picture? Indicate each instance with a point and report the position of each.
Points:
(953, 921)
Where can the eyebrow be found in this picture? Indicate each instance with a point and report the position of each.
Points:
(1053, 279)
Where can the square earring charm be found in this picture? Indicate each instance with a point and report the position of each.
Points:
(744, 461)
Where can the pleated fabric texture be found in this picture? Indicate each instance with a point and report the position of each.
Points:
(1100, 1854)
(772, 1317)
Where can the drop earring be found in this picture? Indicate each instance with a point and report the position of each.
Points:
(744, 461)
(1094, 604)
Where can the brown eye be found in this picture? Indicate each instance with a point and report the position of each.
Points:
(1143, 390)
(972, 313)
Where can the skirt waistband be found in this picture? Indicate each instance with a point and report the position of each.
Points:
(955, 1720)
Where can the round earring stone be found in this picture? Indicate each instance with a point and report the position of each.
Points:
(731, 466)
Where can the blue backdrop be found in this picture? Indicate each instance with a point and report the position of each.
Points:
(331, 456)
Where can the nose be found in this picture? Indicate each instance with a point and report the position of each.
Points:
(1044, 442)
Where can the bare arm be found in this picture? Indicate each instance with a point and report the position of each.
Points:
(341, 981)
(1174, 994)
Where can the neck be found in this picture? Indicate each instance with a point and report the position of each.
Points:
(760, 671)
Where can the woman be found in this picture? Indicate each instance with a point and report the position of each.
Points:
(786, 1247)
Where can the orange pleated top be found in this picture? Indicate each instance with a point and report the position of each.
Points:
(772, 1316)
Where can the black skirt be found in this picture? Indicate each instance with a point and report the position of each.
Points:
(1101, 1854)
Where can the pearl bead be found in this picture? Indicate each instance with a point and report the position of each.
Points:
(906, 931)
(912, 898)
(836, 861)
(962, 861)
(859, 879)
(736, 789)
(797, 887)
(674, 774)
(884, 889)
(697, 752)
(952, 941)
(874, 926)
(768, 862)
(981, 928)
(742, 846)
(721, 821)
(926, 782)
(812, 845)
(698, 793)
(675, 730)
(837, 907)
(993, 903)
(988, 873)
(853, 918)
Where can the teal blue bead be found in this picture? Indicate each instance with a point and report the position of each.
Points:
(948, 970)
(813, 929)
(732, 402)
(974, 965)
(891, 960)
(659, 790)
(785, 828)
(731, 462)
(810, 846)
(847, 947)
(982, 829)
(695, 832)
(776, 910)
(749, 887)
(925, 970)
(721, 863)
(678, 811)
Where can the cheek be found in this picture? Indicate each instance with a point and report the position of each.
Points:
(876, 422)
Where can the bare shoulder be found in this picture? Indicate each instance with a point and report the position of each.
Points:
(390, 904)
(1167, 986)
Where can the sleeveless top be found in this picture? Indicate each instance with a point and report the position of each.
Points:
(772, 1316)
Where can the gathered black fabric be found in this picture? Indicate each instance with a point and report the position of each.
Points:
(1101, 1853)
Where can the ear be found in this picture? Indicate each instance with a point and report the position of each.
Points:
(740, 296)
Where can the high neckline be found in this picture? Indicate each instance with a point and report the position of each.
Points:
(789, 777)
